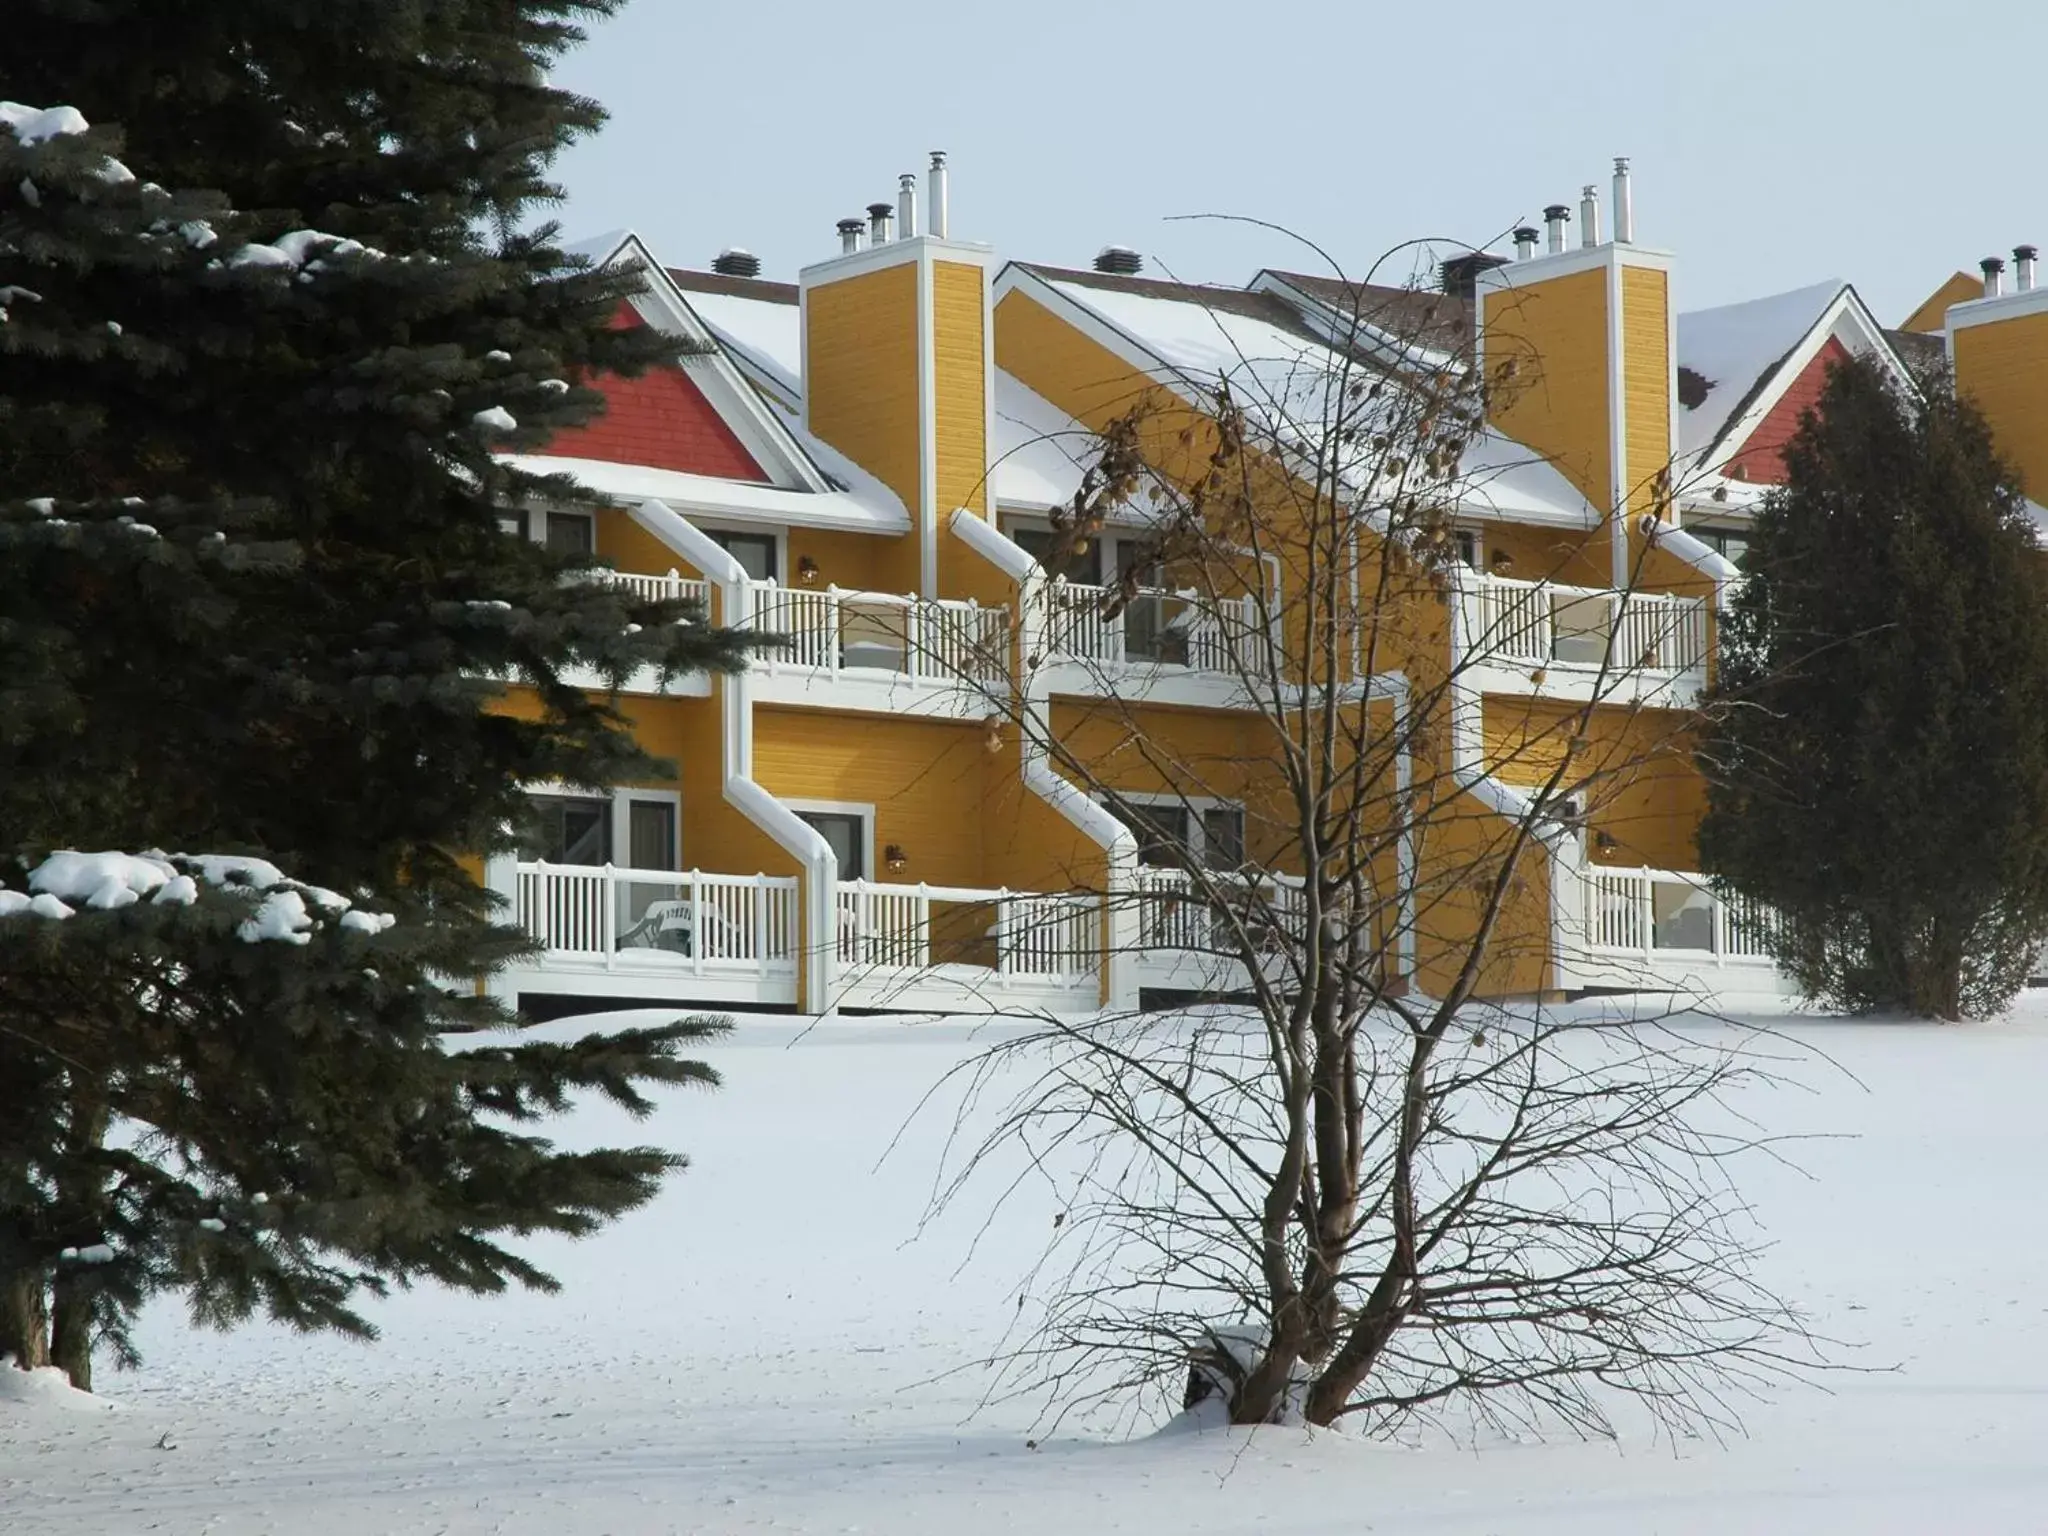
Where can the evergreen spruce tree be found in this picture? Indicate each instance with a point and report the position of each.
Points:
(257, 595)
(1878, 757)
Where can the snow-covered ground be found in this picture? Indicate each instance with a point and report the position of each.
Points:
(772, 1347)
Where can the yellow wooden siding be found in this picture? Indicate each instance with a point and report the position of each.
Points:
(2003, 367)
(1645, 381)
(1082, 377)
(1553, 334)
(959, 387)
(861, 353)
(1932, 316)
(626, 546)
(925, 779)
(1646, 792)
(1572, 557)
(1464, 846)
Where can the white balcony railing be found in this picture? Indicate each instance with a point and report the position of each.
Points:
(643, 918)
(869, 633)
(654, 589)
(1217, 919)
(1157, 627)
(1537, 624)
(1013, 934)
(1652, 911)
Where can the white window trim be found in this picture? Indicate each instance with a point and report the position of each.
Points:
(866, 814)
(1197, 806)
(621, 799)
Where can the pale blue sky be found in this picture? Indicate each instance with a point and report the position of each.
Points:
(1775, 142)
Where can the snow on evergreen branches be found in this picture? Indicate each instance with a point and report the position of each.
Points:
(290, 911)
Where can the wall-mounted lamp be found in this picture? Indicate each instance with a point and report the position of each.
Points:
(1502, 562)
(895, 858)
(807, 570)
(1605, 842)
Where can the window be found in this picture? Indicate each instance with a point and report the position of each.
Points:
(1161, 830)
(1731, 544)
(1080, 565)
(1468, 548)
(651, 834)
(1207, 833)
(571, 533)
(1223, 836)
(846, 834)
(570, 829)
(756, 552)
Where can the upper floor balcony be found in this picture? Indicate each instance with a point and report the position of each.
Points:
(1581, 643)
(1158, 644)
(880, 651)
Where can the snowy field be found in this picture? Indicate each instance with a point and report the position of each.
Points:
(771, 1347)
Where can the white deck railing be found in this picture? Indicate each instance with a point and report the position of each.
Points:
(681, 919)
(1174, 913)
(1533, 623)
(1157, 627)
(654, 589)
(1015, 934)
(1654, 911)
(865, 633)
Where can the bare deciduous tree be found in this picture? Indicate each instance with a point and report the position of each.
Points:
(1361, 1185)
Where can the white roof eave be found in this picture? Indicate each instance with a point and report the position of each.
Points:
(710, 496)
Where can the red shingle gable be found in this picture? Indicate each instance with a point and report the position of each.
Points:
(1761, 459)
(661, 420)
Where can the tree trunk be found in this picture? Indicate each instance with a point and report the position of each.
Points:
(24, 1319)
(71, 1327)
(82, 1188)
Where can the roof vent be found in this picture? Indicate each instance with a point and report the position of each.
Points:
(735, 262)
(1119, 260)
(1994, 276)
(1459, 276)
(2023, 259)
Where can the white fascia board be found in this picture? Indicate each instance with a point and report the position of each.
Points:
(875, 258)
(2007, 306)
(1537, 269)
(713, 497)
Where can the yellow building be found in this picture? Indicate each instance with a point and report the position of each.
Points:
(976, 772)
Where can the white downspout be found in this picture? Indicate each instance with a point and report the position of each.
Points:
(1468, 771)
(1120, 991)
(1394, 686)
(1694, 552)
(791, 832)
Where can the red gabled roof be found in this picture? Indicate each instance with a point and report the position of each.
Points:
(661, 420)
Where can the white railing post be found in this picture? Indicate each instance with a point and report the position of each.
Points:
(700, 931)
(608, 918)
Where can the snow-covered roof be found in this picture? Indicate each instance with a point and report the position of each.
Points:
(1034, 445)
(1501, 478)
(1290, 381)
(1735, 348)
(765, 335)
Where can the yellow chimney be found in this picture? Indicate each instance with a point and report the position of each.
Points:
(1998, 346)
(897, 376)
(1580, 345)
